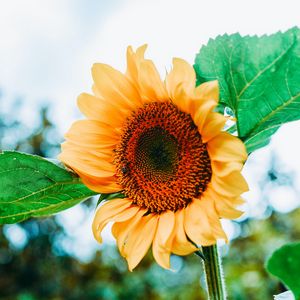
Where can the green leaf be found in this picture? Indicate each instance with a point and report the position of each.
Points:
(112, 196)
(259, 79)
(31, 186)
(285, 264)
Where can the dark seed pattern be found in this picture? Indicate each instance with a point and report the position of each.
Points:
(161, 161)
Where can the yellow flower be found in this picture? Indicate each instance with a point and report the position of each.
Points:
(162, 145)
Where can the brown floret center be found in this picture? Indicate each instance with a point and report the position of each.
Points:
(161, 161)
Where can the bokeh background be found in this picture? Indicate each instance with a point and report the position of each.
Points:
(46, 51)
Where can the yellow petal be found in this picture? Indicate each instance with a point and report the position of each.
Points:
(102, 110)
(115, 87)
(181, 245)
(225, 147)
(231, 185)
(121, 230)
(202, 110)
(139, 240)
(133, 62)
(208, 91)
(161, 247)
(182, 100)
(198, 102)
(182, 75)
(87, 163)
(107, 212)
(212, 127)
(225, 168)
(100, 185)
(225, 207)
(197, 225)
(208, 206)
(144, 75)
(91, 133)
(105, 152)
(150, 82)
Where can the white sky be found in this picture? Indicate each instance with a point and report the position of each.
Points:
(48, 47)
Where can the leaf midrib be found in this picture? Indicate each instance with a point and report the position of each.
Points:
(55, 183)
(273, 112)
(261, 72)
(42, 208)
(45, 189)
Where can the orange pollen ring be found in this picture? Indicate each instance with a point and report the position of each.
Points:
(161, 161)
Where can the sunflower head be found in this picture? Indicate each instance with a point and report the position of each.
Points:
(162, 145)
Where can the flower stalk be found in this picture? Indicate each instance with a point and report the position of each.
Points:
(214, 275)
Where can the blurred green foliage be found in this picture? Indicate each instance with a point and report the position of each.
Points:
(285, 265)
(40, 269)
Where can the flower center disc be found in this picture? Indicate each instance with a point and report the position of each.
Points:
(161, 162)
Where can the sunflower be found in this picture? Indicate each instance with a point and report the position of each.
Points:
(161, 144)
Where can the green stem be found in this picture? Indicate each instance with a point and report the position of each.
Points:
(213, 272)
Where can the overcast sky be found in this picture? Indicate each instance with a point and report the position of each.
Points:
(48, 47)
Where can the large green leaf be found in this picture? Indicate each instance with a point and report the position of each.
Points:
(259, 79)
(285, 264)
(31, 186)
